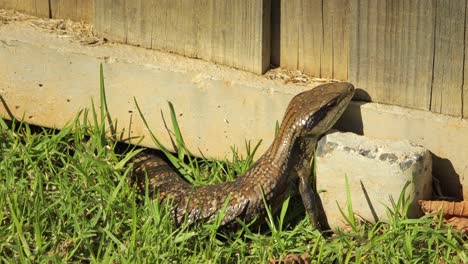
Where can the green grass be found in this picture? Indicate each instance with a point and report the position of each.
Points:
(65, 196)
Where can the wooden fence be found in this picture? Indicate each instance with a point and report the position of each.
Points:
(79, 10)
(402, 52)
(233, 32)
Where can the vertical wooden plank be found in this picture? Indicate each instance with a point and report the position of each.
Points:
(118, 28)
(159, 25)
(102, 17)
(235, 33)
(85, 11)
(55, 8)
(449, 57)
(202, 29)
(326, 49)
(311, 37)
(289, 39)
(77, 10)
(265, 28)
(334, 63)
(8, 4)
(41, 8)
(137, 23)
(26, 6)
(176, 13)
(340, 37)
(391, 50)
(302, 35)
(170, 22)
(465, 67)
(188, 30)
(241, 34)
(133, 15)
(72, 9)
(275, 32)
(221, 42)
(314, 37)
(98, 20)
(64, 9)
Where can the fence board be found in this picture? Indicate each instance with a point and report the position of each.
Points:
(301, 35)
(27, 6)
(314, 37)
(119, 20)
(102, 17)
(234, 33)
(42, 8)
(341, 39)
(158, 34)
(78, 10)
(391, 50)
(8, 4)
(448, 57)
(275, 32)
(139, 22)
(33, 7)
(465, 82)
(336, 39)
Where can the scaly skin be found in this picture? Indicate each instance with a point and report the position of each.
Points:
(287, 161)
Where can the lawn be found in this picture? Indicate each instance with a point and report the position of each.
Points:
(66, 196)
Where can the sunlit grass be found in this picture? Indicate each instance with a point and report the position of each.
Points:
(65, 196)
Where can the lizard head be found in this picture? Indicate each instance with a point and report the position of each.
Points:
(314, 112)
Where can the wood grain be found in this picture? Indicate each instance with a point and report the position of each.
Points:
(448, 57)
(110, 19)
(301, 35)
(231, 32)
(8, 4)
(391, 50)
(77, 10)
(42, 8)
(118, 21)
(336, 39)
(26, 6)
(465, 73)
(139, 22)
(314, 37)
(38, 8)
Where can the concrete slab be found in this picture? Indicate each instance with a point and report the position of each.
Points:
(47, 78)
(377, 171)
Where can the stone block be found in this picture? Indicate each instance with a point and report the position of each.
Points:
(377, 172)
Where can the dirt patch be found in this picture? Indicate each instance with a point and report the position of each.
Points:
(296, 77)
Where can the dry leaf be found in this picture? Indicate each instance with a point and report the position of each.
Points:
(447, 208)
(460, 223)
(454, 213)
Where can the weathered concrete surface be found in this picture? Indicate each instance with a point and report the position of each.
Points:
(376, 170)
(445, 136)
(48, 78)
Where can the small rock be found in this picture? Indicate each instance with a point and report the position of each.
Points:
(376, 171)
